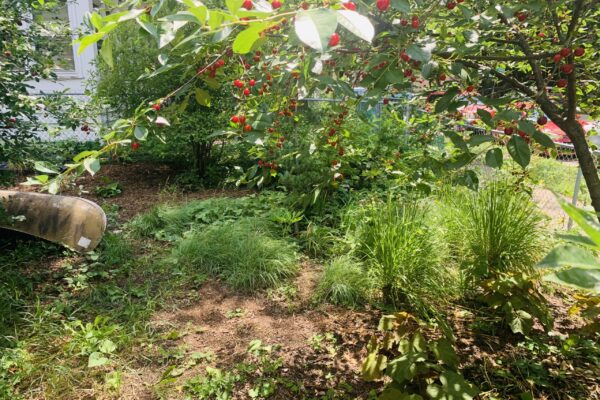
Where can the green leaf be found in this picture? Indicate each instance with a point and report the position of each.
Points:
(507, 115)
(148, 27)
(97, 359)
(444, 101)
(569, 255)
(106, 53)
(576, 277)
(444, 351)
(527, 127)
(476, 140)
(46, 168)
(140, 132)
(521, 322)
(422, 54)
(585, 220)
(234, 5)
(428, 69)
(543, 139)
(373, 365)
(359, 25)
(314, 27)
(107, 346)
(494, 158)
(92, 165)
(83, 155)
(519, 150)
(486, 117)
(393, 393)
(245, 40)
(202, 97)
(454, 387)
(401, 5)
(88, 40)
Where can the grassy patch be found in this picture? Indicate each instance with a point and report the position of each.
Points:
(344, 281)
(558, 176)
(245, 254)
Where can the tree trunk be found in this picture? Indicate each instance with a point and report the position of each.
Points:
(575, 132)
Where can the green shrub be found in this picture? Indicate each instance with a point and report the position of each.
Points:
(401, 253)
(495, 230)
(244, 253)
(343, 282)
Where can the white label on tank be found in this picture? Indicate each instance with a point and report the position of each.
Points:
(84, 242)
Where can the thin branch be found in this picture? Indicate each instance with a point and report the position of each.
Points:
(508, 79)
(574, 21)
(572, 94)
(538, 56)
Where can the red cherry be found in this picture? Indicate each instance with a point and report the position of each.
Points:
(460, 1)
(508, 131)
(276, 4)
(242, 119)
(415, 22)
(349, 6)
(7, 53)
(404, 57)
(470, 88)
(407, 73)
(542, 120)
(386, 100)
(565, 52)
(247, 128)
(383, 5)
(246, 92)
(135, 146)
(239, 84)
(341, 151)
(235, 119)
(561, 83)
(334, 162)
(251, 82)
(331, 132)
(304, 6)
(156, 107)
(334, 40)
(557, 58)
(248, 4)
(579, 51)
(451, 5)
(220, 63)
(567, 68)
(12, 120)
(521, 16)
(443, 77)
(403, 22)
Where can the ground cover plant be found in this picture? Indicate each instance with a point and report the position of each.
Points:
(339, 229)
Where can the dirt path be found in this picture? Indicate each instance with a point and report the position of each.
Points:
(223, 322)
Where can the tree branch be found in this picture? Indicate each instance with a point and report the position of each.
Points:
(538, 56)
(572, 93)
(574, 21)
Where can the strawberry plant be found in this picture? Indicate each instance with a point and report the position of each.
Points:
(418, 367)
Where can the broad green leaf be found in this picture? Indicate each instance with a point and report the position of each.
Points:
(585, 220)
(83, 155)
(92, 165)
(476, 140)
(358, 24)
(519, 150)
(444, 352)
(543, 139)
(393, 393)
(444, 101)
(132, 14)
(521, 322)
(202, 97)
(85, 41)
(404, 368)
(148, 27)
(107, 346)
(106, 53)
(486, 117)
(569, 255)
(96, 20)
(181, 16)
(140, 132)
(373, 365)
(157, 7)
(45, 167)
(454, 387)
(401, 5)
(246, 39)
(428, 69)
(420, 53)
(527, 127)
(457, 140)
(507, 115)
(315, 27)
(576, 277)
(97, 359)
(234, 5)
(494, 158)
